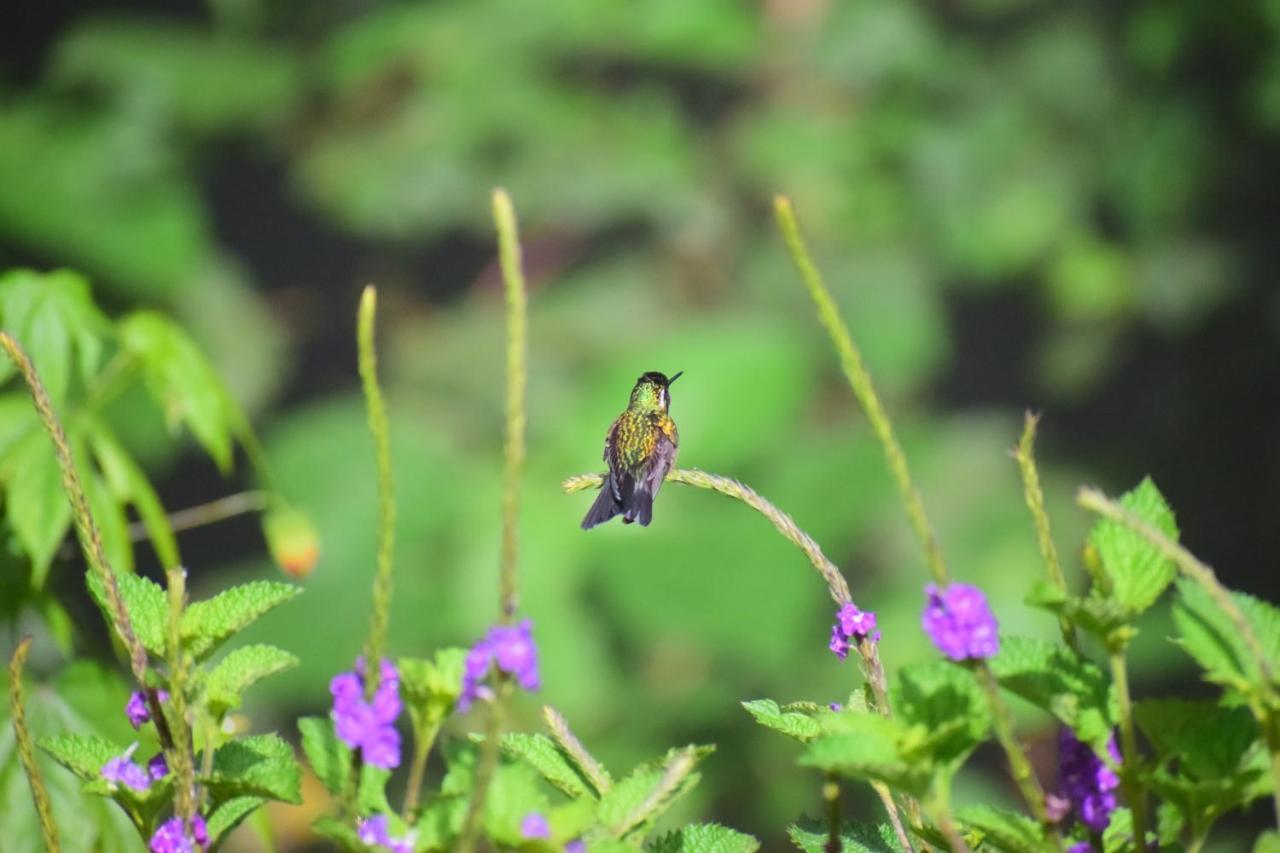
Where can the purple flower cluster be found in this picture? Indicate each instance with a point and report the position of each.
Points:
(376, 832)
(1087, 782)
(137, 710)
(511, 647)
(121, 770)
(535, 826)
(368, 726)
(173, 837)
(960, 622)
(852, 624)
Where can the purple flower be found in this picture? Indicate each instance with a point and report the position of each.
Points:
(960, 623)
(1080, 847)
(157, 767)
(368, 725)
(122, 771)
(137, 710)
(512, 648)
(836, 706)
(852, 624)
(535, 825)
(173, 837)
(376, 832)
(1087, 781)
(575, 846)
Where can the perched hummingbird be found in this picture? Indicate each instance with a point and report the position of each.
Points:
(640, 449)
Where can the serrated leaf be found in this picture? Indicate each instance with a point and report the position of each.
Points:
(1004, 829)
(767, 713)
(340, 831)
(1211, 637)
(633, 803)
(1138, 571)
(238, 670)
(330, 758)
(868, 746)
(35, 503)
(53, 318)
(1056, 679)
(1101, 617)
(255, 766)
(128, 484)
(704, 838)
(946, 710)
(810, 835)
(227, 817)
(208, 623)
(545, 756)
(1208, 740)
(83, 755)
(182, 381)
(146, 602)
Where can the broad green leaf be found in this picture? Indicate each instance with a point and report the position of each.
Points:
(1211, 637)
(1053, 677)
(1004, 829)
(129, 484)
(227, 817)
(1208, 741)
(340, 831)
(1138, 571)
(1104, 618)
(945, 708)
(810, 835)
(239, 669)
(633, 803)
(545, 756)
(255, 766)
(371, 793)
(84, 755)
(182, 381)
(430, 689)
(18, 421)
(794, 724)
(109, 515)
(146, 602)
(868, 746)
(704, 838)
(35, 503)
(206, 624)
(330, 758)
(55, 321)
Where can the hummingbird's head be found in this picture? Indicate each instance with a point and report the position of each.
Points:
(651, 391)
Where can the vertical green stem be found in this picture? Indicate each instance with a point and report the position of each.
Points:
(413, 787)
(484, 772)
(1019, 764)
(86, 528)
(517, 309)
(831, 796)
(26, 751)
(863, 389)
(180, 756)
(1129, 746)
(940, 813)
(381, 430)
(1275, 779)
(1024, 454)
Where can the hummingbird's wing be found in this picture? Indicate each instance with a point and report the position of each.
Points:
(654, 474)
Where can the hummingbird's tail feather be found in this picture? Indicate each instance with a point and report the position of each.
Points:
(606, 506)
(641, 507)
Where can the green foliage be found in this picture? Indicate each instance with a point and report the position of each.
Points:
(1136, 571)
(431, 688)
(703, 838)
(631, 806)
(146, 603)
(228, 816)
(1002, 829)
(556, 766)
(811, 835)
(1059, 681)
(330, 758)
(255, 766)
(801, 726)
(238, 670)
(83, 755)
(209, 623)
(54, 318)
(1212, 639)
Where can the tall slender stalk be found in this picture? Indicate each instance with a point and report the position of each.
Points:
(1024, 454)
(26, 750)
(180, 756)
(831, 796)
(381, 430)
(863, 389)
(1019, 764)
(1129, 746)
(417, 766)
(87, 530)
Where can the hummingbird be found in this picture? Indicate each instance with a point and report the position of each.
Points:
(640, 449)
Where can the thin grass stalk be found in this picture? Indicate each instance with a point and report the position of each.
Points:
(423, 742)
(831, 796)
(379, 427)
(863, 389)
(26, 750)
(180, 756)
(1024, 455)
(504, 217)
(87, 530)
(568, 741)
(1019, 763)
(1129, 766)
(471, 824)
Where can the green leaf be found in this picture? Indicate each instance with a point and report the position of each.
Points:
(868, 746)
(1104, 618)
(704, 838)
(227, 817)
(1056, 679)
(1268, 842)
(340, 831)
(146, 603)
(1004, 829)
(128, 484)
(83, 755)
(794, 724)
(330, 758)
(182, 381)
(1208, 740)
(256, 766)
(239, 669)
(810, 835)
(206, 624)
(53, 318)
(35, 503)
(430, 689)
(113, 524)
(1138, 571)
(1211, 637)
(545, 756)
(631, 805)
(946, 710)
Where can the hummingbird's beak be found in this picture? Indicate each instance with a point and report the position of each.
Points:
(674, 377)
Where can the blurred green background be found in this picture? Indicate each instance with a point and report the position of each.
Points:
(1068, 207)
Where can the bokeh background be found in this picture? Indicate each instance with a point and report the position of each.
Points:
(1067, 207)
